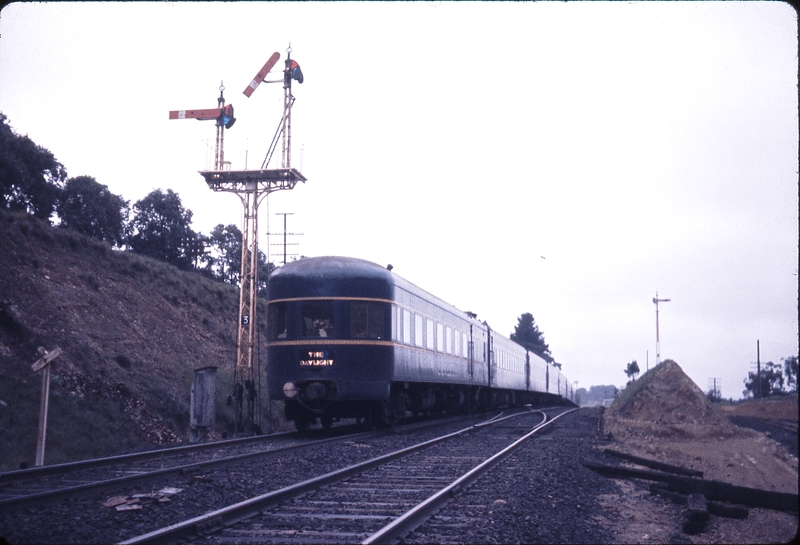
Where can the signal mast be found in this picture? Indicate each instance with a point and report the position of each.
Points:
(251, 186)
(222, 114)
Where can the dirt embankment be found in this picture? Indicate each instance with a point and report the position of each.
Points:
(132, 331)
(664, 416)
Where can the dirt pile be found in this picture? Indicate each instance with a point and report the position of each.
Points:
(664, 402)
(664, 416)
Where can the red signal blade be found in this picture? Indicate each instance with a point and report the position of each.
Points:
(211, 113)
(262, 74)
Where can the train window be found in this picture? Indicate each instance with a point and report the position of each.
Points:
(464, 345)
(406, 327)
(439, 337)
(359, 320)
(418, 330)
(429, 338)
(377, 320)
(367, 320)
(449, 339)
(317, 318)
(277, 320)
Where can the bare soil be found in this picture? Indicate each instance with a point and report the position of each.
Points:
(668, 418)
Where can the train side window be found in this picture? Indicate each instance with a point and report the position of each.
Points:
(359, 320)
(449, 339)
(464, 345)
(367, 320)
(377, 320)
(277, 320)
(439, 337)
(418, 330)
(317, 319)
(429, 338)
(406, 327)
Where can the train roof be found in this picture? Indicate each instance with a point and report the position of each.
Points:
(332, 268)
(343, 276)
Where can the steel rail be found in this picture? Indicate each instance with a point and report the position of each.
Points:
(111, 484)
(83, 490)
(56, 469)
(247, 508)
(417, 515)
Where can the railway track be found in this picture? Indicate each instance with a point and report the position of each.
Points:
(46, 484)
(378, 500)
(37, 486)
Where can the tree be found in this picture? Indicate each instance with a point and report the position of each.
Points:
(225, 260)
(771, 381)
(30, 176)
(526, 333)
(790, 372)
(264, 270)
(91, 209)
(632, 369)
(160, 229)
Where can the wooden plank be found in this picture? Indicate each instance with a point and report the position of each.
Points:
(698, 507)
(715, 508)
(669, 468)
(712, 490)
(46, 358)
(659, 489)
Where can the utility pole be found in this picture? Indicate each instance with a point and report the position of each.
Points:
(758, 368)
(284, 214)
(656, 300)
(715, 388)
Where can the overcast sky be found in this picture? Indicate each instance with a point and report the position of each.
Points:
(570, 160)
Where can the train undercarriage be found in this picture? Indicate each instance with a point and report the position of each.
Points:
(314, 401)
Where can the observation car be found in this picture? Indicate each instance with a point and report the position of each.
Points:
(348, 338)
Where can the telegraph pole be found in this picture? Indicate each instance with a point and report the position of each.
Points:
(656, 300)
(285, 233)
(758, 368)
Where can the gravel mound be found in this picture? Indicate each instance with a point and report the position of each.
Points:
(664, 402)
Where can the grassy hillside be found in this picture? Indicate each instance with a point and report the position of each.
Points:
(132, 331)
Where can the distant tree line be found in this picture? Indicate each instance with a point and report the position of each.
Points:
(774, 379)
(157, 226)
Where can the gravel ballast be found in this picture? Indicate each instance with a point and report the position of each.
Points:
(540, 494)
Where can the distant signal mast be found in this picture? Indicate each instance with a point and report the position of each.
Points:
(251, 186)
(656, 301)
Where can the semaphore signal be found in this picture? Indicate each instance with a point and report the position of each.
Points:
(251, 186)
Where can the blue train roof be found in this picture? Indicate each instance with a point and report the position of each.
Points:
(332, 268)
(344, 277)
(331, 276)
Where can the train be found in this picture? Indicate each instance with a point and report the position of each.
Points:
(348, 338)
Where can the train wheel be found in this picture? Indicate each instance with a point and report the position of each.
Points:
(326, 421)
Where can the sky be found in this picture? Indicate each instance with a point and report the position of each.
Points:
(568, 159)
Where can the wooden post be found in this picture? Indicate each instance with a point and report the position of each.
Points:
(44, 364)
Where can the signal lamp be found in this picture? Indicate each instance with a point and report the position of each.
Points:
(227, 116)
